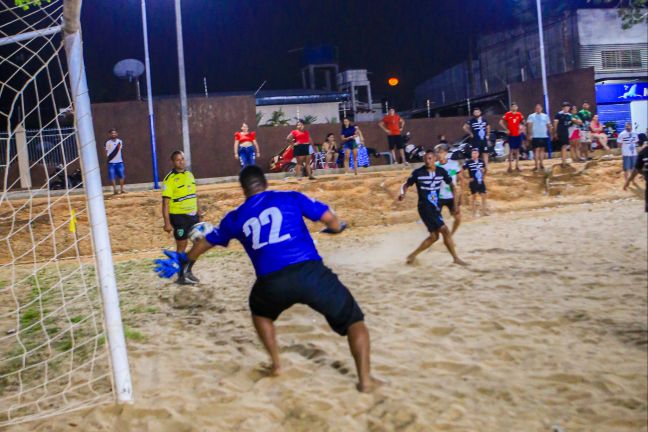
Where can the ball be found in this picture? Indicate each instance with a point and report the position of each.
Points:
(200, 230)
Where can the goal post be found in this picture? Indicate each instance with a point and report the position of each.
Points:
(62, 341)
(94, 196)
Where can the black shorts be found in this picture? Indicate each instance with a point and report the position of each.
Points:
(310, 283)
(563, 140)
(539, 143)
(481, 145)
(447, 202)
(395, 142)
(431, 217)
(476, 187)
(182, 224)
(301, 150)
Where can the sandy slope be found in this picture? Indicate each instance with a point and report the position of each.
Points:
(548, 326)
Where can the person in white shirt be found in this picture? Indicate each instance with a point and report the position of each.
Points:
(628, 140)
(538, 129)
(114, 147)
(446, 197)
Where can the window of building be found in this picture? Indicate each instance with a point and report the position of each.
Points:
(621, 59)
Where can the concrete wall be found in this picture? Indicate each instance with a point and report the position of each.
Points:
(323, 111)
(575, 87)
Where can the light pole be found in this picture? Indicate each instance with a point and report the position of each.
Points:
(149, 98)
(543, 66)
(183, 86)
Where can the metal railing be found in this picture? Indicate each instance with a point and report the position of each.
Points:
(48, 146)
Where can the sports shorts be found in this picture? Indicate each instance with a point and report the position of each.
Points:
(310, 283)
(563, 140)
(629, 162)
(539, 143)
(395, 142)
(182, 224)
(477, 188)
(350, 145)
(481, 145)
(515, 142)
(430, 216)
(447, 202)
(585, 136)
(301, 150)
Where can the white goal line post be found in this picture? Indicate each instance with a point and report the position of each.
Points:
(94, 196)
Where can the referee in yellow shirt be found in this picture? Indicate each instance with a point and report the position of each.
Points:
(180, 204)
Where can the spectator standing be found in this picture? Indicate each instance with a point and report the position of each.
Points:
(562, 122)
(539, 130)
(511, 122)
(301, 149)
(349, 144)
(585, 116)
(475, 170)
(246, 148)
(116, 169)
(574, 135)
(628, 139)
(393, 126)
(479, 130)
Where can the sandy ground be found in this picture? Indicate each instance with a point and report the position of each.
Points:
(547, 327)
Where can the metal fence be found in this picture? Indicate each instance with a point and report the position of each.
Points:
(48, 146)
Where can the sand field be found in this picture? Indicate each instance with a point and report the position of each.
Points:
(547, 328)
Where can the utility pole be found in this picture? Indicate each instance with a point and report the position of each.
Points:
(186, 146)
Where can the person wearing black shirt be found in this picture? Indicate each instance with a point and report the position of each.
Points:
(428, 180)
(562, 122)
(475, 170)
(479, 130)
(643, 139)
(640, 167)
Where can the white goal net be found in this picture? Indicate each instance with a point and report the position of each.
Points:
(56, 345)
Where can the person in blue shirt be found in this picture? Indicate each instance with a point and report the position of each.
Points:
(271, 228)
(349, 144)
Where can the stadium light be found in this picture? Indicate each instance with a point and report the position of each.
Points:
(393, 81)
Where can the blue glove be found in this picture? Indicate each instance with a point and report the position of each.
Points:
(343, 226)
(167, 268)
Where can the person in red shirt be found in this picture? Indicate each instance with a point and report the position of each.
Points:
(301, 148)
(513, 119)
(393, 125)
(246, 148)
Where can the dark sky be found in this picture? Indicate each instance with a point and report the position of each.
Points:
(237, 44)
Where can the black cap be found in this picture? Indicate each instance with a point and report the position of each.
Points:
(564, 104)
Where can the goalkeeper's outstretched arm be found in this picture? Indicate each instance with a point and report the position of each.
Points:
(199, 247)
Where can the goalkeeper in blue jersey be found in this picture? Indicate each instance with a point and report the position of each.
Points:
(271, 228)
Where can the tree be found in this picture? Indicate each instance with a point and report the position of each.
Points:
(26, 3)
(259, 116)
(308, 119)
(277, 118)
(632, 12)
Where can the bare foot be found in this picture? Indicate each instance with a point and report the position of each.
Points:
(370, 386)
(460, 262)
(274, 370)
(410, 259)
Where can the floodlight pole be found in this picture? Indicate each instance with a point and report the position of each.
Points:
(543, 66)
(149, 98)
(183, 86)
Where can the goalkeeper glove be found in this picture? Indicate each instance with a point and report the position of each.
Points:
(174, 264)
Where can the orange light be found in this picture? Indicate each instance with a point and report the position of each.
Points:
(393, 81)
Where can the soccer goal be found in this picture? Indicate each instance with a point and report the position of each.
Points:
(62, 343)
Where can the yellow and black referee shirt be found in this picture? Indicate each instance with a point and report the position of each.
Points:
(180, 188)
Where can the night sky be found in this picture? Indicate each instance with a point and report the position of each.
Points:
(237, 44)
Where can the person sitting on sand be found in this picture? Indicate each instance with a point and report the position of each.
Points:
(476, 171)
(429, 179)
(271, 228)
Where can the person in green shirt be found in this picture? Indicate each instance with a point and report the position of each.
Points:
(180, 204)
(585, 115)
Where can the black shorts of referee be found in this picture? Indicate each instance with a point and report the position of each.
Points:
(182, 224)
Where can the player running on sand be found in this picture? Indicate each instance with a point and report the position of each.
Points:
(428, 180)
(271, 228)
(446, 195)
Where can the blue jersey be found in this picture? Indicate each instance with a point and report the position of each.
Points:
(271, 228)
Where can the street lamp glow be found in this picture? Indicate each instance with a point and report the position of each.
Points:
(393, 81)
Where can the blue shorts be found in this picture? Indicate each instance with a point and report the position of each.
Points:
(629, 163)
(350, 145)
(116, 170)
(247, 155)
(515, 142)
(310, 283)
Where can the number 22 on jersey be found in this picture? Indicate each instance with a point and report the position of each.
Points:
(253, 226)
